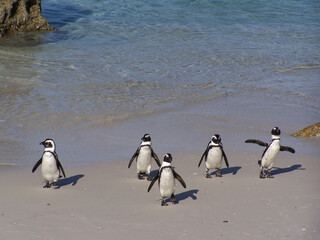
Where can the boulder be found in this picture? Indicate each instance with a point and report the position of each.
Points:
(21, 16)
(309, 131)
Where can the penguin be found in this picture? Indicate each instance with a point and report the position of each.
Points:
(213, 156)
(271, 151)
(143, 157)
(51, 167)
(166, 180)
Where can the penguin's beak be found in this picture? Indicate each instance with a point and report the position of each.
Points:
(42, 143)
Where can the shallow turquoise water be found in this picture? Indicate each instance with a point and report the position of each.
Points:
(253, 63)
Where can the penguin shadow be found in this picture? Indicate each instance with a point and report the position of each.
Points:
(278, 170)
(69, 180)
(184, 195)
(229, 170)
(154, 173)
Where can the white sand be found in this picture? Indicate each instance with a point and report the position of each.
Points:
(107, 201)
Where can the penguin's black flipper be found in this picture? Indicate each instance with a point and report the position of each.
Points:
(203, 155)
(201, 158)
(260, 143)
(153, 181)
(224, 156)
(154, 155)
(179, 178)
(288, 149)
(37, 165)
(60, 167)
(133, 157)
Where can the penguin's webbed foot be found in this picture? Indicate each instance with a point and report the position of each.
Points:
(218, 173)
(173, 199)
(48, 185)
(269, 175)
(261, 175)
(208, 175)
(149, 178)
(163, 203)
(140, 176)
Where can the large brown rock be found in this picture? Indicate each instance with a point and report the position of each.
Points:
(21, 15)
(309, 131)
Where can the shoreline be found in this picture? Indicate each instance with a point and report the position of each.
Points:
(189, 129)
(107, 200)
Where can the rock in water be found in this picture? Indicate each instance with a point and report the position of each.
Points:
(21, 16)
(310, 131)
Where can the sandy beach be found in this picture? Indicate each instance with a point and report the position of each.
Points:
(180, 71)
(107, 201)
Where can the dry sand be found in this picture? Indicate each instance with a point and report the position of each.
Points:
(107, 201)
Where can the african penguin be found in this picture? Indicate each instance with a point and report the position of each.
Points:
(50, 164)
(143, 157)
(213, 156)
(271, 151)
(166, 180)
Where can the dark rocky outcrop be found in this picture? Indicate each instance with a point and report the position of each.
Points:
(21, 16)
(309, 131)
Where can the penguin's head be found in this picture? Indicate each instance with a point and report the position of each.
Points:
(216, 139)
(167, 158)
(49, 143)
(146, 138)
(275, 131)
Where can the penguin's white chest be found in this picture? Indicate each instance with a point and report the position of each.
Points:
(214, 159)
(144, 160)
(270, 155)
(167, 183)
(49, 169)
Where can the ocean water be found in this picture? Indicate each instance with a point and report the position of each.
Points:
(180, 70)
